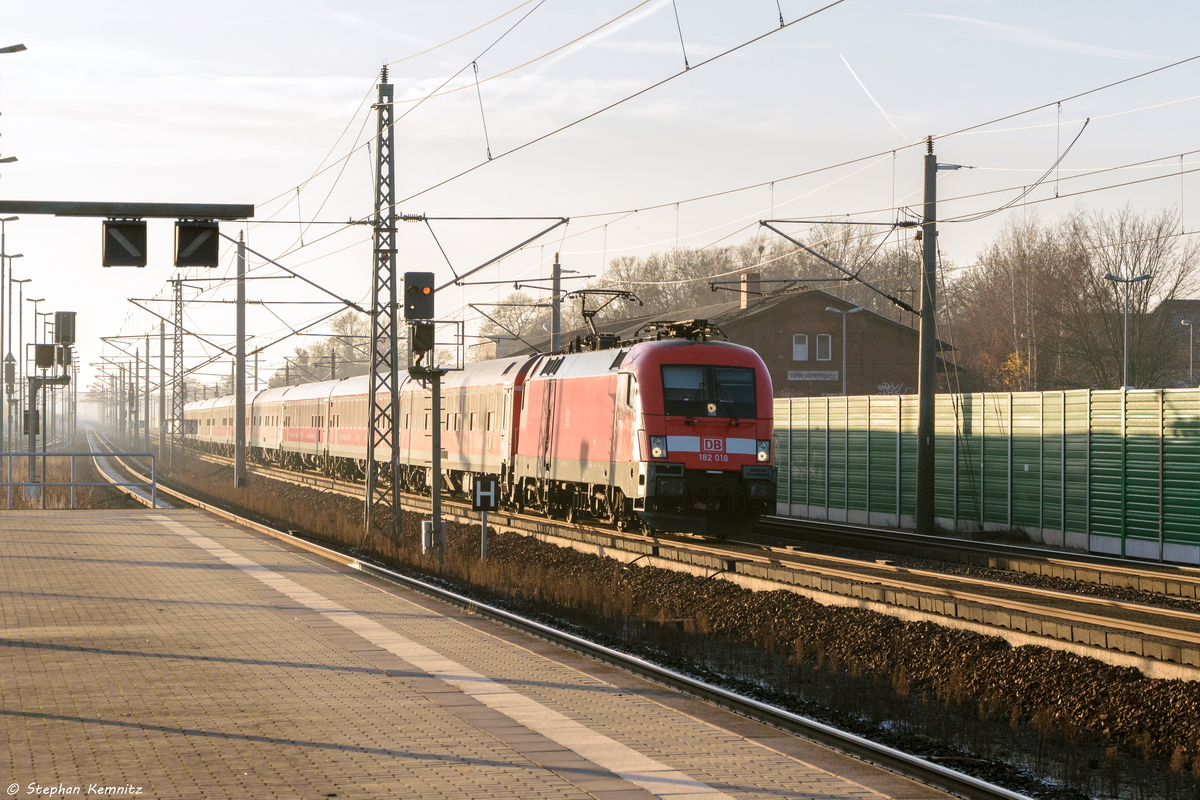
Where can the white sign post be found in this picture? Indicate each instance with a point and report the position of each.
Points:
(485, 496)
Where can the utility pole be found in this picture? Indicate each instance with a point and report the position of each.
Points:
(178, 397)
(122, 403)
(5, 336)
(927, 379)
(146, 397)
(239, 376)
(556, 306)
(162, 387)
(134, 369)
(382, 511)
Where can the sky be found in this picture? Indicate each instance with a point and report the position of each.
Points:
(650, 125)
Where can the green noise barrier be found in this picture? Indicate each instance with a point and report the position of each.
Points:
(1115, 472)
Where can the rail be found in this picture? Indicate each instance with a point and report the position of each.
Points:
(33, 486)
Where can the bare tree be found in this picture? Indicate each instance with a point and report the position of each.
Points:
(1127, 245)
(345, 352)
(517, 315)
(1038, 301)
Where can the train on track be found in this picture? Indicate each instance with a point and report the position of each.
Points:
(670, 434)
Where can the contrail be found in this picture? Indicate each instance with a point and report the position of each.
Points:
(895, 127)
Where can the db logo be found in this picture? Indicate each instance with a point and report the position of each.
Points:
(713, 445)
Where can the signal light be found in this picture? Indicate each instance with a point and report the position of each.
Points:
(418, 295)
(64, 327)
(43, 356)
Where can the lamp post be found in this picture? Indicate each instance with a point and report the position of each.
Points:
(18, 376)
(32, 399)
(4, 286)
(5, 262)
(1191, 341)
(1127, 282)
(844, 314)
(35, 302)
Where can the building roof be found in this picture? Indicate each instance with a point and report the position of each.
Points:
(723, 314)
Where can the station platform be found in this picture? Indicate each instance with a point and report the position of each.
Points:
(167, 653)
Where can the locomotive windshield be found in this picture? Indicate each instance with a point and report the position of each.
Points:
(708, 391)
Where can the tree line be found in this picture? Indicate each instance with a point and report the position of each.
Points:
(1034, 310)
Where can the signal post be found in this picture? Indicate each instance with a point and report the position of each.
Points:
(422, 337)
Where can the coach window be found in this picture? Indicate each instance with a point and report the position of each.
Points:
(824, 347)
(800, 347)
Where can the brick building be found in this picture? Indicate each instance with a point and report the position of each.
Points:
(800, 341)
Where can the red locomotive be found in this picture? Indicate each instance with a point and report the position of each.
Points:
(673, 434)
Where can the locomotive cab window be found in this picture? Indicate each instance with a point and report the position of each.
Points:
(709, 391)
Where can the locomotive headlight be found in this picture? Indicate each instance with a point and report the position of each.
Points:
(763, 450)
(658, 447)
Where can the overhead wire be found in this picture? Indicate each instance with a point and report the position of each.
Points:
(797, 175)
(969, 129)
(622, 101)
(1031, 187)
(439, 93)
(920, 142)
(461, 35)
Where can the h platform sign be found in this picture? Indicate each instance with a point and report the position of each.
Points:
(485, 493)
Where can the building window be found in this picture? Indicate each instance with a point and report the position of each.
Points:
(800, 347)
(824, 347)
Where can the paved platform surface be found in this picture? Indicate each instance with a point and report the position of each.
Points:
(170, 654)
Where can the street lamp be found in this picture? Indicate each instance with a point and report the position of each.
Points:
(1191, 341)
(1126, 281)
(31, 399)
(844, 314)
(19, 380)
(5, 261)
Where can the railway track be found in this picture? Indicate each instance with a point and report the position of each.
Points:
(1118, 573)
(929, 772)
